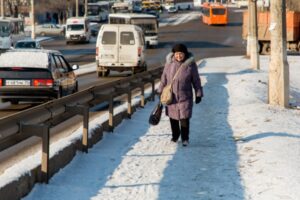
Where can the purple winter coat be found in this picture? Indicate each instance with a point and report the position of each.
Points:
(186, 80)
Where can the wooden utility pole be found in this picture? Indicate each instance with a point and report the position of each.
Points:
(253, 36)
(278, 67)
(248, 31)
(77, 8)
(2, 9)
(85, 8)
(32, 20)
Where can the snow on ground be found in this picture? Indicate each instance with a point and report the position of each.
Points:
(240, 147)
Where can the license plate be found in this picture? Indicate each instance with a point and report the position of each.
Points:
(107, 56)
(17, 82)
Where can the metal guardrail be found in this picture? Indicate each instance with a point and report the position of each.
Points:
(38, 120)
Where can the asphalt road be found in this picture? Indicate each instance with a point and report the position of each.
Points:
(202, 40)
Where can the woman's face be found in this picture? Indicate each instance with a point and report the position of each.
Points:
(179, 56)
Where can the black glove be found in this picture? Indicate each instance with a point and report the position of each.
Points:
(198, 100)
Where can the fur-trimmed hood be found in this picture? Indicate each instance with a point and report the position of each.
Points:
(187, 62)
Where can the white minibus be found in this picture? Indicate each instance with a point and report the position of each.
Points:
(120, 47)
(98, 12)
(148, 23)
(11, 30)
(78, 30)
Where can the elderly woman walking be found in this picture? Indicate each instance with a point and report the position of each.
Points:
(180, 109)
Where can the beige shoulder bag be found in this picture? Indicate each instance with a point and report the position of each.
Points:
(166, 96)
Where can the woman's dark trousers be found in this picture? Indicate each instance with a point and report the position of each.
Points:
(180, 127)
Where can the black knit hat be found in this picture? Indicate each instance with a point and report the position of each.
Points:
(180, 48)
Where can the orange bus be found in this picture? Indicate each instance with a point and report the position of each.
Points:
(214, 14)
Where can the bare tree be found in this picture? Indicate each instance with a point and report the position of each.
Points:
(56, 6)
(13, 6)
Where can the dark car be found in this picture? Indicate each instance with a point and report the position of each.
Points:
(27, 44)
(35, 75)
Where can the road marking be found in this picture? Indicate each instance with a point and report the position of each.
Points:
(179, 19)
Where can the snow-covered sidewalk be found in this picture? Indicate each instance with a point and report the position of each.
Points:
(240, 147)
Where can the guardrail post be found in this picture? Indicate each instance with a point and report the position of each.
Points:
(84, 112)
(40, 130)
(142, 96)
(111, 113)
(138, 83)
(45, 154)
(129, 105)
(149, 79)
(126, 88)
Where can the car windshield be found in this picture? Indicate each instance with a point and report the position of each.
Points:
(150, 27)
(218, 11)
(4, 29)
(25, 45)
(75, 27)
(93, 10)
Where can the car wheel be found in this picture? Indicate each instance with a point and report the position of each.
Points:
(105, 73)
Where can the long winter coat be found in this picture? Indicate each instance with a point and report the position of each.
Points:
(186, 80)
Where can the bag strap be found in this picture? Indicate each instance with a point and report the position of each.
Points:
(177, 72)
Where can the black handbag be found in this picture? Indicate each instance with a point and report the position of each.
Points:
(156, 114)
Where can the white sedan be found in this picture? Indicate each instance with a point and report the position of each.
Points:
(49, 29)
(172, 9)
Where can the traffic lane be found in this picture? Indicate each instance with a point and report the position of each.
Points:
(7, 109)
(75, 53)
(202, 40)
(91, 79)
